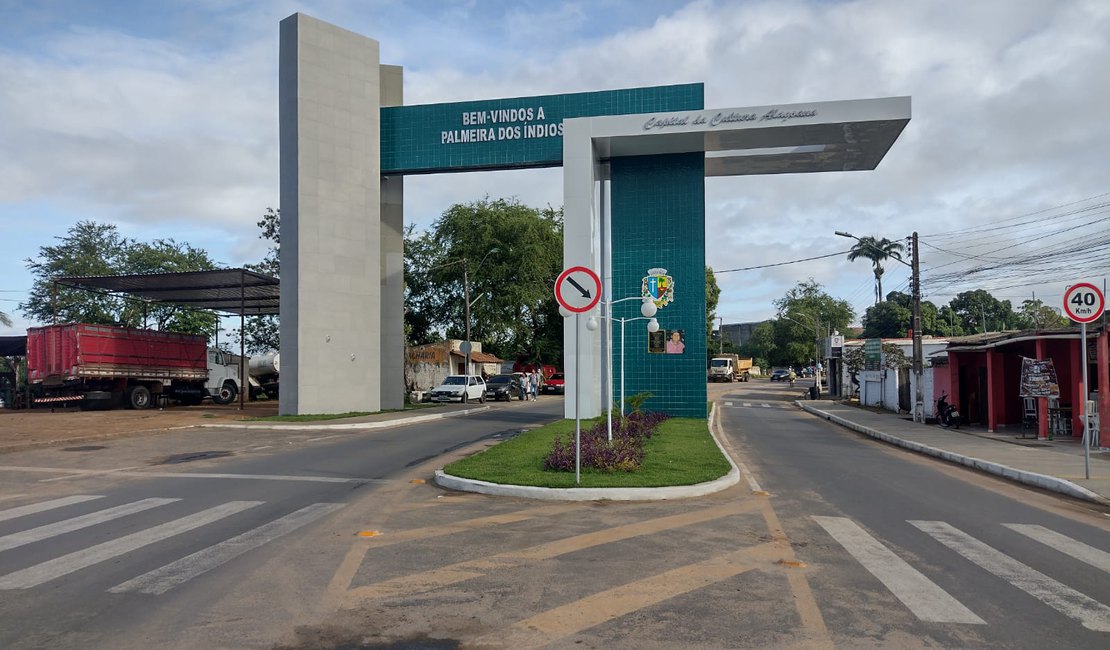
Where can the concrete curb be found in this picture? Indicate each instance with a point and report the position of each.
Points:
(599, 494)
(1042, 481)
(381, 424)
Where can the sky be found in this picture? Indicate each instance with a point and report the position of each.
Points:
(162, 118)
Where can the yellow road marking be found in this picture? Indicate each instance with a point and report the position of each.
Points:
(607, 605)
(460, 571)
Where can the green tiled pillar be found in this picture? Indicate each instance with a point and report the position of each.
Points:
(658, 221)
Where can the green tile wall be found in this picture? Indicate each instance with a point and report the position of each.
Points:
(412, 143)
(658, 220)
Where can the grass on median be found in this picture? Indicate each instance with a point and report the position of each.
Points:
(681, 452)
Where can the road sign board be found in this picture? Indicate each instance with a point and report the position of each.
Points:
(1083, 302)
(578, 289)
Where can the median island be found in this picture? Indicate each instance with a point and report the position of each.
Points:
(672, 452)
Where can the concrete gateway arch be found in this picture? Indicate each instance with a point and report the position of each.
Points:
(634, 166)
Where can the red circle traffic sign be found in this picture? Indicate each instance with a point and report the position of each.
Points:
(1083, 302)
(578, 289)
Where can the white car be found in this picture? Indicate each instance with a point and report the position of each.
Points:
(460, 388)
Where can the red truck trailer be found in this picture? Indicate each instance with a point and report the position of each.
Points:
(102, 366)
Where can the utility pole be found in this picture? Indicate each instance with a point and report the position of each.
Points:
(721, 335)
(466, 310)
(918, 360)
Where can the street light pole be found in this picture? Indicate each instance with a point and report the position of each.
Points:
(918, 353)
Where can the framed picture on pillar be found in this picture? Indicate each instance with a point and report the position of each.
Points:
(657, 342)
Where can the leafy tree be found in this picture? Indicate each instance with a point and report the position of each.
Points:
(979, 311)
(712, 297)
(1034, 314)
(91, 248)
(805, 313)
(761, 345)
(893, 318)
(876, 250)
(948, 322)
(263, 332)
(512, 254)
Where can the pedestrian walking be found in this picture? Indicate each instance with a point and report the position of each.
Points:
(535, 385)
(525, 386)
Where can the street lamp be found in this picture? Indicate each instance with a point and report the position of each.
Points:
(918, 360)
(647, 311)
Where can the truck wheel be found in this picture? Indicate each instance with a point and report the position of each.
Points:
(226, 394)
(138, 397)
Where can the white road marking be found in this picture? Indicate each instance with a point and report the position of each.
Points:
(66, 564)
(919, 594)
(1078, 550)
(128, 471)
(85, 473)
(748, 404)
(16, 540)
(159, 581)
(32, 508)
(1069, 602)
(748, 477)
(728, 403)
(337, 435)
(765, 405)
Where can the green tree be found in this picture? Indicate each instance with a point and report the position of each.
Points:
(512, 254)
(978, 311)
(805, 314)
(761, 345)
(263, 333)
(893, 318)
(5, 320)
(91, 248)
(712, 297)
(876, 250)
(1034, 314)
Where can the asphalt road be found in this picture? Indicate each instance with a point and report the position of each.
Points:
(905, 548)
(339, 540)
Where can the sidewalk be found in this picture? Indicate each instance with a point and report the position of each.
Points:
(1050, 465)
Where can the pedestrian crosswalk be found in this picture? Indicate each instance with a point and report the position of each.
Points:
(760, 405)
(929, 602)
(157, 581)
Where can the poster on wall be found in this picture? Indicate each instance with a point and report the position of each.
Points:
(657, 342)
(676, 342)
(1038, 378)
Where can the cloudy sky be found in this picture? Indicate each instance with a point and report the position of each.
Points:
(162, 118)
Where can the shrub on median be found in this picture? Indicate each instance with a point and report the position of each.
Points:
(624, 454)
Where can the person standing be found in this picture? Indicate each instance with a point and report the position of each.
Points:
(525, 387)
(535, 385)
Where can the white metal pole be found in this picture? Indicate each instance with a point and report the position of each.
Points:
(577, 419)
(1086, 415)
(609, 369)
(622, 368)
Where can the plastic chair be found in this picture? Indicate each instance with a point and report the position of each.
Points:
(1029, 418)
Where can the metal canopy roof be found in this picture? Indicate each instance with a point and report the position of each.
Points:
(231, 291)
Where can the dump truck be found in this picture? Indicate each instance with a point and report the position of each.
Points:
(729, 367)
(102, 366)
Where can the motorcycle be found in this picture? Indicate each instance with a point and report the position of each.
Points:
(947, 415)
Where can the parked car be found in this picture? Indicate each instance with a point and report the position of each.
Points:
(460, 388)
(780, 374)
(503, 387)
(556, 383)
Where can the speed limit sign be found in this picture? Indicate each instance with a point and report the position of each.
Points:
(1083, 302)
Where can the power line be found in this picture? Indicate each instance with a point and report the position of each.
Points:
(767, 266)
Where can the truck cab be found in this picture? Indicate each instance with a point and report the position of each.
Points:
(223, 376)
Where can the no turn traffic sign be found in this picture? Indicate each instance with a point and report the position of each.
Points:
(1083, 302)
(578, 289)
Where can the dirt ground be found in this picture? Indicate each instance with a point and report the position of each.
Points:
(42, 427)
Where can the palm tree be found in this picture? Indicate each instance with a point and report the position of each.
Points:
(876, 250)
(5, 320)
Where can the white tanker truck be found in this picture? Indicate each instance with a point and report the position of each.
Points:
(263, 370)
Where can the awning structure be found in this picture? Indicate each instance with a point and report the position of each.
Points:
(229, 291)
(13, 346)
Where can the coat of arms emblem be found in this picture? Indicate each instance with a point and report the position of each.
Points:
(659, 287)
